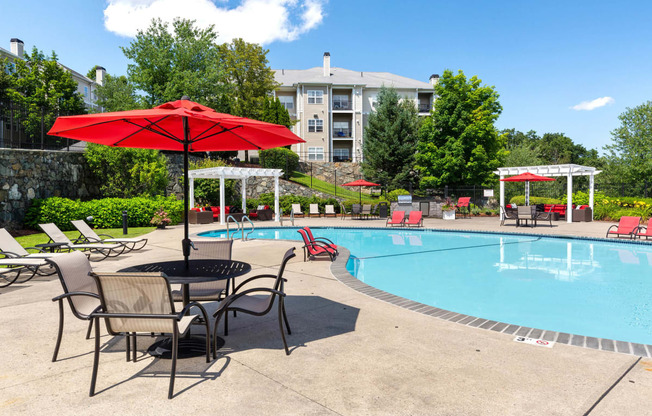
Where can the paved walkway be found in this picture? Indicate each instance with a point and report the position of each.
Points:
(350, 354)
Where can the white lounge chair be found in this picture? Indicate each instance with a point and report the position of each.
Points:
(296, 209)
(57, 236)
(91, 236)
(314, 210)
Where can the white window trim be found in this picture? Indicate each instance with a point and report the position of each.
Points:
(317, 125)
(316, 153)
(315, 97)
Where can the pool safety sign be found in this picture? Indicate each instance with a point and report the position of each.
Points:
(534, 341)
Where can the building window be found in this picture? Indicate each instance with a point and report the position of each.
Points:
(315, 125)
(341, 102)
(341, 129)
(315, 97)
(315, 153)
(86, 92)
(341, 155)
(287, 101)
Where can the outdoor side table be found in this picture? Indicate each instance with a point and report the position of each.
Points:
(199, 271)
(51, 246)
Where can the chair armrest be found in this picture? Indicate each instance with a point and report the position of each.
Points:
(71, 294)
(260, 276)
(231, 298)
(186, 309)
(106, 235)
(9, 254)
(325, 239)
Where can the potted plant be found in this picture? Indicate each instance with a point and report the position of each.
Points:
(160, 219)
(448, 210)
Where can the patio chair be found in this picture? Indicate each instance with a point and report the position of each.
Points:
(366, 211)
(57, 236)
(243, 301)
(356, 209)
(208, 291)
(134, 303)
(525, 213)
(415, 218)
(645, 230)
(541, 215)
(314, 210)
(626, 226)
(343, 211)
(88, 235)
(397, 219)
(296, 209)
(79, 290)
(464, 202)
(508, 214)
(322, 240)
(329, 210)
(315, 248)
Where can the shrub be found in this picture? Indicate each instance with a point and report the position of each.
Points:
(520, 200)
(106, 213)
(393, 196)
(279, 158)
(286, 201)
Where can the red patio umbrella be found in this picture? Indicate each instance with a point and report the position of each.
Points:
(180, 125)
(361, 183)
(527, 177)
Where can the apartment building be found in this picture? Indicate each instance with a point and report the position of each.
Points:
(85, 86)
(332, 106)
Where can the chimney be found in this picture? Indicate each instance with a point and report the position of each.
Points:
(327, 64)
(17, 47)
(100, 72)
(434, 79)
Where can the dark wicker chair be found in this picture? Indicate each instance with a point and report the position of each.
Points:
(243, 301)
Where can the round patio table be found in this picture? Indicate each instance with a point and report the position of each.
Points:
(199, 271)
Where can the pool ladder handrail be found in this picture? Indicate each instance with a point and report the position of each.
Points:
(231, 217)
(291, 217)
(240, 225)
(244, 238)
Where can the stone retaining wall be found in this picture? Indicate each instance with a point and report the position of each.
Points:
(326, 171)
(262, 185)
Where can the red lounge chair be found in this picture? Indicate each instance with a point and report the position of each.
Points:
(645, 231)
(464, 202)
(397, 218)
(315, 248)
(626, 226)
(330, 245)
(415, 218)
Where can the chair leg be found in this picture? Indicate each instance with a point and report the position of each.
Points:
(134, 348)
(208, 340)
(226, 323)
(96, 356)
(285, 318)
(90, 327)
(173, 371)
(217, 321)
(128, 346)
(60, 333)
(280, 324)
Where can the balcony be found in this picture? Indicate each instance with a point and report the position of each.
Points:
(342, 133)
(342, 105)
(425, 108)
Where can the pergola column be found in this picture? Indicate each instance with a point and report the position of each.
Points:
(277, 215)
(222, 200)
(244, 195)
(191, 194)
(591, 192)
(502, 196)
(569, 198)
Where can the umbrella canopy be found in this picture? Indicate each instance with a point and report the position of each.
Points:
(180, 125)
(361, 183)
(527, 177)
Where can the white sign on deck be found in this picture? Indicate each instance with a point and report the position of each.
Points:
(534, 341)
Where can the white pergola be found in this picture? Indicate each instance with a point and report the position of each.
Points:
(228, 172)
(568, 170)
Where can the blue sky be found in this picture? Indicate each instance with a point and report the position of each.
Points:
(544, 58)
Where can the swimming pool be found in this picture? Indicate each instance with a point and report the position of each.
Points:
(593, 288)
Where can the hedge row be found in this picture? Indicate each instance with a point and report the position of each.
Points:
(106, 213)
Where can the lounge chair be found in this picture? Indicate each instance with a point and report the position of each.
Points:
(415, 218)
(57, 236)
(141, 303)
(208, 291)
(243, 301)
(314, 210)
(322, 240)
(366, 211)
(626, 226)
(296, 209)
(397, 219)
(464, 202)
(78, 288)
(12, 267)
(329, 210)
(645, 231)
(11, 249)
(343, 211)
(88, 235)
(315, 248)
(508, 214)
(525, 213)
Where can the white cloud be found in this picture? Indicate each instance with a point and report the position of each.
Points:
(592, 105)
(256, 21)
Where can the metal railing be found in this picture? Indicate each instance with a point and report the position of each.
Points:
(342, 105)
(342, 133)
(240, 225)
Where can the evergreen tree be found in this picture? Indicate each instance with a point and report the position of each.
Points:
(390, 140)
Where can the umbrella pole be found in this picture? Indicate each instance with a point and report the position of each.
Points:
(185, 244)
(361, 195)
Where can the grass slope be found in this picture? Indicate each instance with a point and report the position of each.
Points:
(329, 188)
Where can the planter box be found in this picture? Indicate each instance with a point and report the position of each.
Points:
(448, 215)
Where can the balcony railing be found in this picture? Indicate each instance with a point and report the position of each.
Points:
(341, 105)
(342, 133)
(425, 108)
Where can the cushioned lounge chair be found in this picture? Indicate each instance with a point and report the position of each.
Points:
(397, 219)
(323, 240)
(141, 303)
(243, 301)
(104, 250)
(329, 210)
(414, 219)
(87, 234)
(209, 291)
(626, 226)
(315, 248)
(296, 209)
(645, 231)
(314, 210)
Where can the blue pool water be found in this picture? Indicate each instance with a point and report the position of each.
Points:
(594, 288)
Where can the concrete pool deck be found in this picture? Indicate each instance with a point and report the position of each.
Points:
(351, 354)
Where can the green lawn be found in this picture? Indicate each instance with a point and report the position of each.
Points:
(40, 238)
(329, 188)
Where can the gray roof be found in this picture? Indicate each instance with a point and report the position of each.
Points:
(341, 76)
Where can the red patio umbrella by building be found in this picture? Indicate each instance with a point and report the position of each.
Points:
(361, 183)
(180, 125)
(527, 177)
